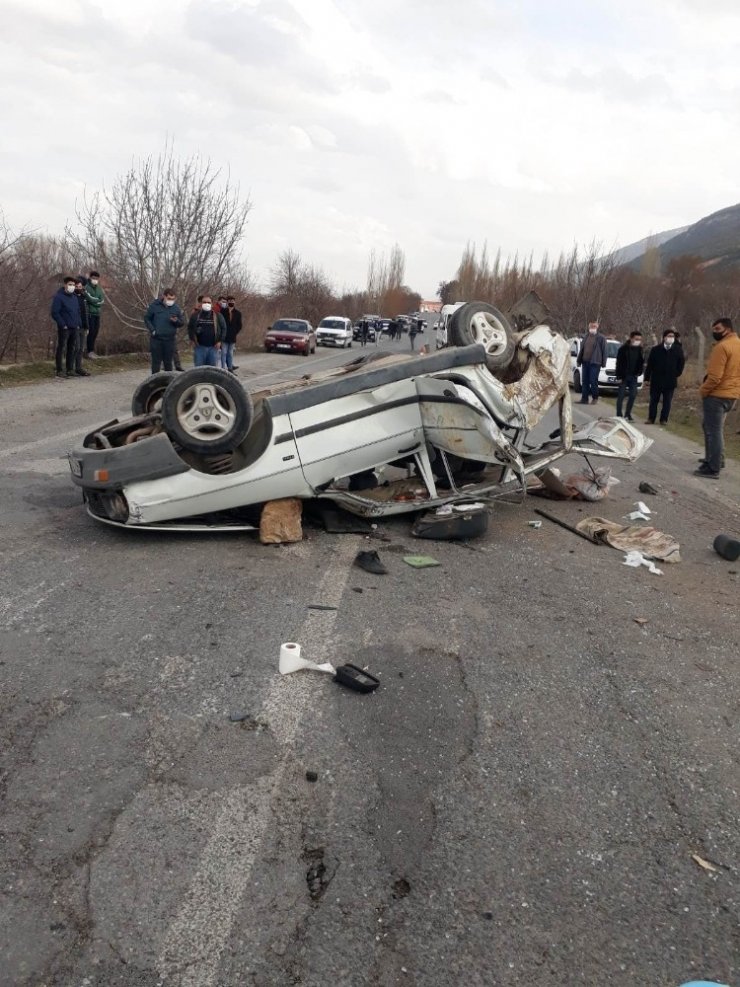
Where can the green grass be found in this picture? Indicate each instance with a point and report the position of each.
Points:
(17, 374)
(685, 421)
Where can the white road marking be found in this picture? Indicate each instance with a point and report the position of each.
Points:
(193, 945)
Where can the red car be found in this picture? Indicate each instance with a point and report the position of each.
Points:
(291, 336)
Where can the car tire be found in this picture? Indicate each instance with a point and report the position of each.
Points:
(479, 322)
(576, 380)
(207, 411)
(148, 395)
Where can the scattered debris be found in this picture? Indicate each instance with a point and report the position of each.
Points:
(704, 864)
(339, 522)
(420, 561)
(642, 507)
(636, 559)
(370, 562)
(401, 888)
(640, 620)
(312, 776)
(280, 521)
(357, 589)
(239, 717)
(728, 548)
(320, 606)
(637, 516)
(356, 678)
(235, 675)
(535, 524)
(591, 485)
(291, 661)
(645, 541)
(647, 488)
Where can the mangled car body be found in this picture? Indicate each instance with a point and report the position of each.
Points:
(420, 431)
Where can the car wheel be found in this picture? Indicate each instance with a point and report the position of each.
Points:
(206, 410)
(148, 395)
(479, 322)
(576, 380)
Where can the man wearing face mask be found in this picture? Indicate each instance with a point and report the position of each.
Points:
(84, 329)
(95, 298)
(630, 364)
(591, 358)
(233, 319)
(163, 318)
(206, 330)
(65, 311)
(664, 366)
(719, 391)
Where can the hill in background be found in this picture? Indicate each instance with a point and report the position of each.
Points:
(715, 238)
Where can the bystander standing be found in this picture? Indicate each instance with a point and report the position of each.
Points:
(719, 391)
(206, 331)
(233, 319)
(665, 365)
(95, 298)
(65, 311)
(163, 318)
(630, 364)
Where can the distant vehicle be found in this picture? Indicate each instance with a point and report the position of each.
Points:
(291, 336)
(443, 323)
(607, 375)
(357, 328)
(403, 322)
(385, 326)
(334, 330)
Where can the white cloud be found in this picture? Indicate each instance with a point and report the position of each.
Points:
(355, 125)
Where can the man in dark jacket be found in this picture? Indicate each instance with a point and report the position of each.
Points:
(664, 367)
(591, 358)
(163, 318)
(233, 319)
(81, 340)
(95, 299)
(630, 364)
(206, 330)
(65, 311)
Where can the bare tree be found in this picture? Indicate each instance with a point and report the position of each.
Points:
(166, 222)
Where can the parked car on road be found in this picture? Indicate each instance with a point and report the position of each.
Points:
(445, 314)
(607, 375)
(334, 330)
(371, 332)
(291, 336)
(199, 450)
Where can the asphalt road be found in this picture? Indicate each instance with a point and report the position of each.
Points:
(518, 804)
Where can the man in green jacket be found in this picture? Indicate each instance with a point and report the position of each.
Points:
(95, 299)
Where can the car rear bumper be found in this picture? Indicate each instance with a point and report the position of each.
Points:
(113, 468)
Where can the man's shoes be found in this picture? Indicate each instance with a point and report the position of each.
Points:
(69, 373)
(703, 462)
(594, 400)
(59, 375)
(234, 368)
(706, 472)
(663, 422)
(178, 368)
(583, 402)
(629, 418)
(92, 356)
(649, 421)
(370, 562)
(82, 373)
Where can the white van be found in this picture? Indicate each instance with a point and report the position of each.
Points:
(334, 330)
(445, 314)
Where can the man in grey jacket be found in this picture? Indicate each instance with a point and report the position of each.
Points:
(163, 318)
(591, 358)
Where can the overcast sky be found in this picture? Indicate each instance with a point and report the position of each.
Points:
(354, 124)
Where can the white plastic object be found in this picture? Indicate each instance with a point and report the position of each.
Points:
(291, 661)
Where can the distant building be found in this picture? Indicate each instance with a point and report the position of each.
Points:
(431, 306)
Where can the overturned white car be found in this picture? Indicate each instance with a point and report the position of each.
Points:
(384, 434)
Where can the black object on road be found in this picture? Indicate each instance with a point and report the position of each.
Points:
(370, 562)
(647, 488)
(728, 548)
(455, 526)
(564, 524)
(312, 776)
(320, 606)
(356, 678)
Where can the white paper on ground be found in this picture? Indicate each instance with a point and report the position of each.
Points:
(642, 506)
(636, 559)
(637, 516)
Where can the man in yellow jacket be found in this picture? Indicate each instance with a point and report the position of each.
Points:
(719, 391)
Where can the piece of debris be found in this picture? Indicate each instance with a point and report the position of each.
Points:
(642, 507)
(704, 864)
(591, 485)
(312, 776)
(636, 559)
(644, 540)
(236, 674)
(535, 524)
(640, 620)
(337, 521)
(239, 717)
(728, 548)
(291, 661)
(637, 516)
(370, 562)
(564, 524)
(320, 606)
(456, 524)
(401, 888)
(280, 522)
(356, 678)
(357, 589)
(647, 488)
(420, 561)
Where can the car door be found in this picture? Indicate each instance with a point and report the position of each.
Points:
(457, 422)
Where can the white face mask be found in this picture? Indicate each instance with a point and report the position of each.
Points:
(206, 306)
(637, 342)
(169, 301)
(93, 280)
(69, 288)
(668, 343)
(592, 332)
